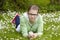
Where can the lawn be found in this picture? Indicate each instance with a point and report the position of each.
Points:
(51, 27)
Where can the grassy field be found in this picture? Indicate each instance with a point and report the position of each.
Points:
(51, 27)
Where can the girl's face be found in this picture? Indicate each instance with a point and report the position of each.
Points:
(32, 14)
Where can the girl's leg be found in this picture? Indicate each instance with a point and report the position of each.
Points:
(17, 22)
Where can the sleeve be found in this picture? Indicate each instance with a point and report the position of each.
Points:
(40, 27)
(23, 27)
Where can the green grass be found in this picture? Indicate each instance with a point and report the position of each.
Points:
(51, 27)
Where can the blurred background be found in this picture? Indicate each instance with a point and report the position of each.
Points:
(22, 5)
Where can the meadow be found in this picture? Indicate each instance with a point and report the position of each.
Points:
(51, 27)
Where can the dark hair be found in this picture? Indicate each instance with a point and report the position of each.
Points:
(34, 7)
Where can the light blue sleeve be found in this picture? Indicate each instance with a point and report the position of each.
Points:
(23, 27)
(40, 27)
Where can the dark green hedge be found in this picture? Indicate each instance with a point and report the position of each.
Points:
(22, 5)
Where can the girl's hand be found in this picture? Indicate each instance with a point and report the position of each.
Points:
(34, 35)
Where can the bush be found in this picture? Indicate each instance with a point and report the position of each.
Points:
(22, 5)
